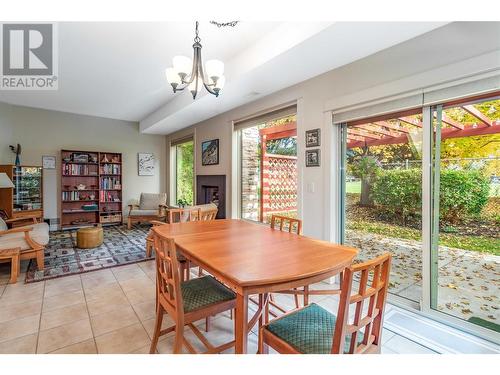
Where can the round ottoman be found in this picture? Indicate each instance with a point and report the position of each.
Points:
(88, 238)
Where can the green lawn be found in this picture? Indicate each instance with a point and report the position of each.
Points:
(473, 243)
(353, 187)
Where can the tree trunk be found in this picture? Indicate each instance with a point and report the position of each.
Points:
(365, 199)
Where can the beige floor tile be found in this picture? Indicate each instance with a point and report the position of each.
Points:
(143, 350)
(65, 335)
(62, 285)
(113, 320)
(21, 345)
(63, 315)
(136, 296)
(138, 283)
(2, 288)
(85, 347)
(145, 310)
(123, 340)
(102, 305)
(19, 327)
(103, 291)
(19, 310)
(149, 325)
(97, 278)
(15, 293)
(130, 271)
(63, 300)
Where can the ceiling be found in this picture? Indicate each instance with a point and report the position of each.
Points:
(116, 70)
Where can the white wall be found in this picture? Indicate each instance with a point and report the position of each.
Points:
(413, 65)
(42, 132)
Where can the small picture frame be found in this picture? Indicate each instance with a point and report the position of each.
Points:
(145, 164)
(313, 138)
(48, 162)
(313, 158)
(210, 152)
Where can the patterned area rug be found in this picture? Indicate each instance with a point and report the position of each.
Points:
(62, 257)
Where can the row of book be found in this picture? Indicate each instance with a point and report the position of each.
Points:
(110, 169)
(107, 196)
(76, 196)
(110, 183)
(78, 169)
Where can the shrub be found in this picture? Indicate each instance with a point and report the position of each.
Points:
(462, 193)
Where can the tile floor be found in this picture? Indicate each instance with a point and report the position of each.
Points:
(112, 311)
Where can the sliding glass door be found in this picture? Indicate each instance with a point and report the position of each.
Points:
(425, 186)
(465, 247)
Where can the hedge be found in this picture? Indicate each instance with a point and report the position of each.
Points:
(462, 193)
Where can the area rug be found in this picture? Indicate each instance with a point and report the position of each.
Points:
(62, 257)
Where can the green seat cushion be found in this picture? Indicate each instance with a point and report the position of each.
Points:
(204, 291)
(309, 330)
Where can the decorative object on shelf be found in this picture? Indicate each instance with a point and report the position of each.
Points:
(313, 138)
(16, 150)
(80, 187)
(191, 73)
(49, 162)
(146, 164)
(210, 152)
(80, 158)
(313, 158)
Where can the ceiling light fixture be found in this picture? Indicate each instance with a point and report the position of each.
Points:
(191, 74)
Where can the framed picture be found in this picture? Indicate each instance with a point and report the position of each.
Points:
(48, 162)
(313, 138)
(313, 158)
(146, 164)
(210, 152)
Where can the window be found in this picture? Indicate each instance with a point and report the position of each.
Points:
(184, 172)
(268, 168)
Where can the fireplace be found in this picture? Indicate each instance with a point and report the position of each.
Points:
(212, 189)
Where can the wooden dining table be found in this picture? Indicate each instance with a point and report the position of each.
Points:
(255, 259)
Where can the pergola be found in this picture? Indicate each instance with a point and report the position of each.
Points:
(397, 130)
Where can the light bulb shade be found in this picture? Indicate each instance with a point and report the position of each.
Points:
(5, 181)
(183, 65)
(214, 68)
(195, 88)
(221, 82)
(172, 77)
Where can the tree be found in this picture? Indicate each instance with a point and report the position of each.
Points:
(365, 167)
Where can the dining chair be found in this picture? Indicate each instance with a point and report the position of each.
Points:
(180, 215)
(314, 330)
(186, 302)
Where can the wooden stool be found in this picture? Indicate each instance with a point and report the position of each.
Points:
(13, 255)
(88, 238)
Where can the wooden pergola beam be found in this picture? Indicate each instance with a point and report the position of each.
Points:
(451, 122)
(376, 128)
(363, 133)
(355, 138)
(477, 114)
(411, 121)
(390, 126)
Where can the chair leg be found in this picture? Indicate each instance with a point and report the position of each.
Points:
(179, 339)
(262, 347)
(158, 323)
(296, 298)
(188, 270)
(200, 272)
(14, 269)
(306, 295)
(148, 249)
(40, 259)
(208, 324)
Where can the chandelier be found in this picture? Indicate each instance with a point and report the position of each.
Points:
(191, 74)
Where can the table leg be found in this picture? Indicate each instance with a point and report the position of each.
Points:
(241, 324)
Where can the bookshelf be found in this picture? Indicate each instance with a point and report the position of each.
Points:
(91, 188)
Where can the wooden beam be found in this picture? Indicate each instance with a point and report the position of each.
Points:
(411, 121)
(355, 138)
(376, 128)
(477, 114)
(388, 125)
(451, 122)
(363, 133)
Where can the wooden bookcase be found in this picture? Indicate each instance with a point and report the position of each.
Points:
(91, 188)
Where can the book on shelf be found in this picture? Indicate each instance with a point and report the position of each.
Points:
(111, 183)
(111, 169)
(78, 170)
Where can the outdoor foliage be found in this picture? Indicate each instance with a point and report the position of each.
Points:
(185, 168)
(462, 193)
(365, 167)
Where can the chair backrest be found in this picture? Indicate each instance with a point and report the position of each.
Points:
(168, 278)
(373, 284)
(152, 201)
(181, 215)
(208, 214)
(286, 223)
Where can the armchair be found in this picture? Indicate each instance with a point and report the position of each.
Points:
(30, 240)
(151, 207)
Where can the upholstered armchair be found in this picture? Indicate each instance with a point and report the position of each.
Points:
(30, 240)
(151, 206)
